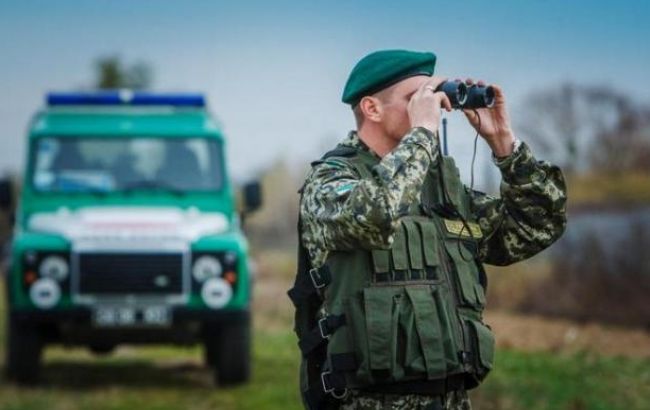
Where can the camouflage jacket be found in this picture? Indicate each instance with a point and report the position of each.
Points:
(340, 210)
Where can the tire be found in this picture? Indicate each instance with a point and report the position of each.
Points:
(228, 349)
(101, 349)
(24, 351)
(210, 353)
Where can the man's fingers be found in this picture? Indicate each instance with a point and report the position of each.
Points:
(498, 94)
(441, 100)
(445, 103)
(426, 87)
(471, 115)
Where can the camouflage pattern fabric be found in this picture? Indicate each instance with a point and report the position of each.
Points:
(340, 210)
(530, 214)
(343, 211)
(456, 400)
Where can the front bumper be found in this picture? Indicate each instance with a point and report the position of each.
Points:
(74, 326)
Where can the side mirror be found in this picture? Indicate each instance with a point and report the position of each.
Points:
(252, 196)
(6, 194)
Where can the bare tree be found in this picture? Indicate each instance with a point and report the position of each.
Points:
(626, 147)
(564, 122)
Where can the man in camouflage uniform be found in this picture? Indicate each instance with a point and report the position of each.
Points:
(397, 122)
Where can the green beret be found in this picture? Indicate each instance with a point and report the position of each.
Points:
(382, 69)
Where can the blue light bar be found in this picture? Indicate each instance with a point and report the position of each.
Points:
(126, 97)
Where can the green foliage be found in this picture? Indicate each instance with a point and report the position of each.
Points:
(111, 73)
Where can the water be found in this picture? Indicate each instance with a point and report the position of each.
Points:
(612, 225)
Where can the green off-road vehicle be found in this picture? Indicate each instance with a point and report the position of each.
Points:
(127, 231)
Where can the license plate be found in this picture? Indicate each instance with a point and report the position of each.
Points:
(120, 316)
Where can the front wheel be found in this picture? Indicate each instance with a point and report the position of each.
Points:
(228, 349)
(24, 351)
(101, 349)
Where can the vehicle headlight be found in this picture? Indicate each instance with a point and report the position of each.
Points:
(54, 267)
(230, 258)
(206, 267)
(216, 293)
(45, 293)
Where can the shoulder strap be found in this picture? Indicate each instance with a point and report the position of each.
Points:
(358, 159)
(340, 151)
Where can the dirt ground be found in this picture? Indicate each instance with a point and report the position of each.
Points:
(534, 333)
(514, 331)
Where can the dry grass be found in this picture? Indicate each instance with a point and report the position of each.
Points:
(510, 286)
(537, 333)
(599, 190)
(274, 276)
(516, 331)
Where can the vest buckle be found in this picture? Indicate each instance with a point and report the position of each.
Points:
(330, 388)
(328, 325)
(317, 279)
(323, 328)
(323, 378)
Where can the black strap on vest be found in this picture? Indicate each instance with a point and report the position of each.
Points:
(307, 301)
(309, 283)
(332, 385)
(325, 386)
(320, 333)
(325, 393)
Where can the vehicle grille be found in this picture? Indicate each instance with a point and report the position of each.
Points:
(130, 273)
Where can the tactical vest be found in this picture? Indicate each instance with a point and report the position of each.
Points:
(407, 319)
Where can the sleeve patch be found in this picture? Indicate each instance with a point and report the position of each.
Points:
(344, 189)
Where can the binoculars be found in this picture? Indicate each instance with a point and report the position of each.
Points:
(463, 96)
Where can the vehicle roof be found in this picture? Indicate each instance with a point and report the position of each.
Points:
(124, 121)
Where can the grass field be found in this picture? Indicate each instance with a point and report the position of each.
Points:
(174, 378)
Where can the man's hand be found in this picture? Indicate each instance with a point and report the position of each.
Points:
(494, 122)
(425, 104)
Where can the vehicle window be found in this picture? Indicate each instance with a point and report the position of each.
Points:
(126, 164)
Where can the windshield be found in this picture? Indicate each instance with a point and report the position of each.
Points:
(126, 164)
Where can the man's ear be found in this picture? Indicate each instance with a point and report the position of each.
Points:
(371, 108)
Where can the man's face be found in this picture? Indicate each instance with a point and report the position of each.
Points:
(395, 100)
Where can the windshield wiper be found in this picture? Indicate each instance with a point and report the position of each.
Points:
(152, 184)
(99, 192)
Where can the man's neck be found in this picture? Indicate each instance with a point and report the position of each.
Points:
(377, 142)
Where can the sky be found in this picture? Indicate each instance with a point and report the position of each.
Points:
(273, 71)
